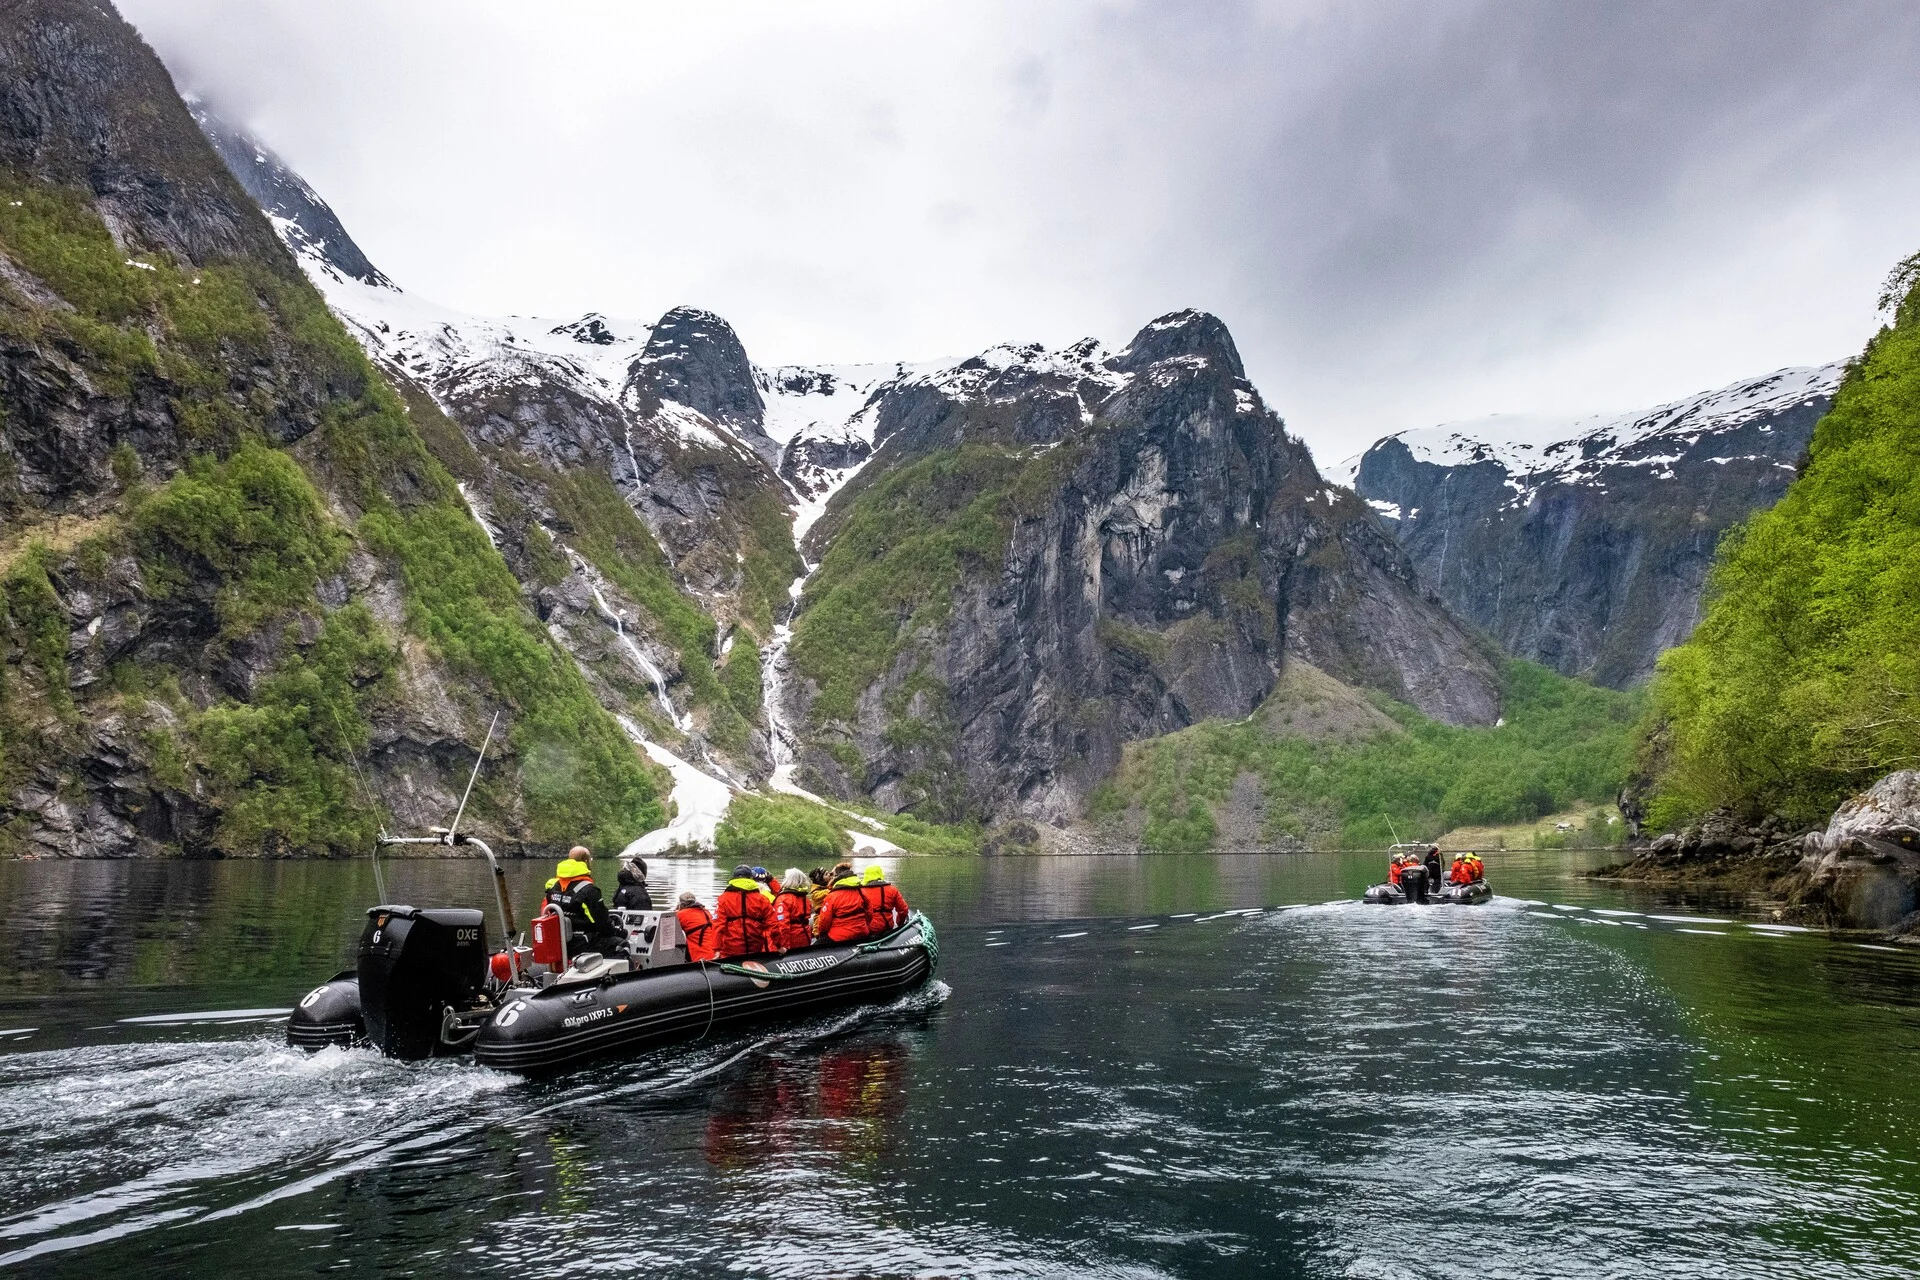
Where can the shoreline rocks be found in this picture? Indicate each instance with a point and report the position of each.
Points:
(1861, 872)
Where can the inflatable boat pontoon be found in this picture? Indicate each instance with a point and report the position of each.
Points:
(426, 984)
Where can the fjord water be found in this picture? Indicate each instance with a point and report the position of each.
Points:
(1109, 1078)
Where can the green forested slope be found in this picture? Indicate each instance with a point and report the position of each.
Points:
(1361, 775)
(1802, 683)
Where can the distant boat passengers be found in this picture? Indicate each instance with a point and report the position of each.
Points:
(756, 914)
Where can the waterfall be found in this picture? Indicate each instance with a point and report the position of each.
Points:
(648, 667)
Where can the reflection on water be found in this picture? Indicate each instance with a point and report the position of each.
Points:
(1120, 1073)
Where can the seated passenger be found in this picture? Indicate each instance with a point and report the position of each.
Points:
(886, 909)
(632, 895)
(573, 891)
(1457, 873)
(1476, 869)
(743, 918)
(1393, 869)
(696, 925)
(843, 916)
(822, 880)
(792, 913)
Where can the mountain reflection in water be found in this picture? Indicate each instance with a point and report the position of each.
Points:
(1115, 1075)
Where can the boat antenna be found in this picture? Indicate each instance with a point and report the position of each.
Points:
(474, 778)
(1390, 827)
(366, 797)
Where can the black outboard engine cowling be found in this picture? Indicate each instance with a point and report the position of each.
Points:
(416, 964)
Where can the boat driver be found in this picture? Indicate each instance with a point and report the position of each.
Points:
(573, 891)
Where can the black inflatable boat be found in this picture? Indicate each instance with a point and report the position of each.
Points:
(591, 1016)
(1455, 895)
(1415, 885)
(426, 984)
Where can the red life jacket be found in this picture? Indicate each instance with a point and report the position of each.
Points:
(792, 920)
(742, 920)
(843, 916)
(697, 924)
(886, 909)
(1393, 873)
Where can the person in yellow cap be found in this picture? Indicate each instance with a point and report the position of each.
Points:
(573, 891)
(886, 909)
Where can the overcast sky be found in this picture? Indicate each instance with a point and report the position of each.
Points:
(1406, 212)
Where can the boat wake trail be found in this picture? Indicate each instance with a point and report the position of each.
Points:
(203, 1129)
(212, 1130)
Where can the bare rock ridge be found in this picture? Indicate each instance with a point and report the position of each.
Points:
(305, 220)
(1585, 545)
(1176, 544)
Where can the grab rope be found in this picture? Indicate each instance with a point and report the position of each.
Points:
(709, 977)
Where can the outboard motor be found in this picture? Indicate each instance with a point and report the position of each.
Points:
(1413, 882)
(418, 967)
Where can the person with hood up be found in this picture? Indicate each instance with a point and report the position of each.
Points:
(633, 895)
(886, 908)
(743, 920)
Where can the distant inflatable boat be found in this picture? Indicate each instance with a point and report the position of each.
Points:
(425, 985)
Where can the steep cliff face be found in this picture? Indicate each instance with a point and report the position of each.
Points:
(621, 468)
(1585, 546)
(231, 574)
(1053, 553)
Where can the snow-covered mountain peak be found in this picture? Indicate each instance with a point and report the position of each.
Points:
(1534, 449)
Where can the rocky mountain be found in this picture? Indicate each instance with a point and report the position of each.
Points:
(1584, 545)
(1141, 543)
(263, 582)
(243, 608)
(1051, 553)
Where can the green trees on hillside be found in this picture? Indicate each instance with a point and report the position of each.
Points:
(1802, 683)
(1562, 742)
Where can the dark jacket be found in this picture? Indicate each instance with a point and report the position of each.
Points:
(580, 899)
(632, 894)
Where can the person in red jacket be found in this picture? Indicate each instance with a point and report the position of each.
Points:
(696, 925)
(886, 909)
(793, 912)
(743, 918)
(843, 916)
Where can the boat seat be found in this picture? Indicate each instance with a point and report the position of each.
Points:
(591, 968)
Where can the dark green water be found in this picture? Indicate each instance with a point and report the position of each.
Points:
(1109, 1078)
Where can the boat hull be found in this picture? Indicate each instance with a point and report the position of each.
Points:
(536, 1032)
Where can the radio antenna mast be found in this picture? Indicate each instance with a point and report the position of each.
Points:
(474, 778)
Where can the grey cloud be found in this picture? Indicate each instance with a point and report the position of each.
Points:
(1406, 211)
